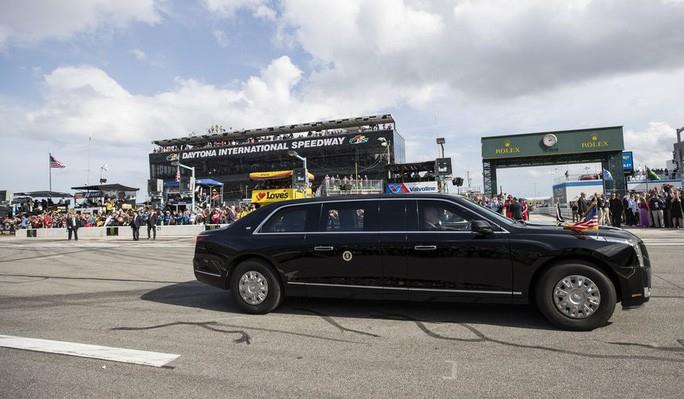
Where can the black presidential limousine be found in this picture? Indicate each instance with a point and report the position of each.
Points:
(422, 248)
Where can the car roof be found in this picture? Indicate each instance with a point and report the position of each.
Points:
(334, 198)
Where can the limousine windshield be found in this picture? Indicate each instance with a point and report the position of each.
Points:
(495, 215)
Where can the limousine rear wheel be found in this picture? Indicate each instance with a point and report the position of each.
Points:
(255, 287)
(576, 296)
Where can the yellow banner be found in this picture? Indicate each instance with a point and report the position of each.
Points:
(276, 174)
(277, 195)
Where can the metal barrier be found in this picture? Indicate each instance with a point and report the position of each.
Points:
(115, 232)
(342, 187)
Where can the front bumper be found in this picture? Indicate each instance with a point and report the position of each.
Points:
(636, 290)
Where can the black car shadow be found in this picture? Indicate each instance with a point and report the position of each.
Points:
(194, 294)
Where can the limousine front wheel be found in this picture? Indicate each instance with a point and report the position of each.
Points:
(255, 287)
(576, 296)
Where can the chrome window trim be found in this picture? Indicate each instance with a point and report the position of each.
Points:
(374, 232)
(257, 231)
(408, 288)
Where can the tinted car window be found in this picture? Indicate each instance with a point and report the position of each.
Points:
(442, 216)
(393, 215)
(287, 220)
(348, 216)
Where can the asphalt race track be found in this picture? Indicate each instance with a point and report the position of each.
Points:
(142, 296)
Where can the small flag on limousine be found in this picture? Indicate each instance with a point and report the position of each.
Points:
(590, 221)
(55, 164)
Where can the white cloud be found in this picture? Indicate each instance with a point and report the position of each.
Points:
(138, 54)
(460, 69)
(28, 21)
(221, 38)
(653, 146)
(84, 101)
(483, 49)
(228, 8)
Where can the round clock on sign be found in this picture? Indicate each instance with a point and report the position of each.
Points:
(550, 140)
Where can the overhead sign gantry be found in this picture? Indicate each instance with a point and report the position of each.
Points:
(598, 145)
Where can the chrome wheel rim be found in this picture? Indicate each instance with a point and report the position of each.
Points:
(576, 296)
(253, 287)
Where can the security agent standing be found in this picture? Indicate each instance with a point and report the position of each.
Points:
(135, 225)
(616, 209)
(73, 223)
(582, 206)
(152, 220)
(516, 209)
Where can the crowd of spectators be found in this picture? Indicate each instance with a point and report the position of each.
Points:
(507, 205)
(336, 185)
(57, 218)
(264, 139)
(661, 207)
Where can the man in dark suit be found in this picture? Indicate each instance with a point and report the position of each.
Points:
(616, 209)
(582, 206)
(73, 223)
(628, 212)
(136, 221)
(152, 220)
(516, 209)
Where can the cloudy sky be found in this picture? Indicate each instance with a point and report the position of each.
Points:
(129, 71)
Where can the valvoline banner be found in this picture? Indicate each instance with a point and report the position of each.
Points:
(412, 188)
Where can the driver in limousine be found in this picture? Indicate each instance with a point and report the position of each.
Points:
(431, 219)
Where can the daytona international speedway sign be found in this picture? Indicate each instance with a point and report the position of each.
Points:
(281, 146)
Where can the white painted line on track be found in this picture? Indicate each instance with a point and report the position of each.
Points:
(96, 245)
(122, 355)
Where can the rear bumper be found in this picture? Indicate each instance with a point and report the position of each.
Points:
(209, 269)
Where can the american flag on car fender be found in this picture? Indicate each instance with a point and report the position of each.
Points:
(590, 221)
(55, 164)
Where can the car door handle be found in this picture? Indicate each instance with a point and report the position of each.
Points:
(425, 247)
(323, 248)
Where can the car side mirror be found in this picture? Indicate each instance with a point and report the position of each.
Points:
(481, 227)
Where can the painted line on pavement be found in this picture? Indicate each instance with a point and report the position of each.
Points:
(122, 355)
(97, 245)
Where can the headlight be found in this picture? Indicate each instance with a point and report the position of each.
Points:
(633, 244)
(640, 255)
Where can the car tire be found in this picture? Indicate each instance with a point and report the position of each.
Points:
(255, 287)
(576, 296)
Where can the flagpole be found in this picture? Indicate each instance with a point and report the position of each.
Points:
(88, 175)
(596, 212)
(50, 170)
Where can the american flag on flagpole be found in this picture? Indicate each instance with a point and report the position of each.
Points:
(590, 221)
(55, 164)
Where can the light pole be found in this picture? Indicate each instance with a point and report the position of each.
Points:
(306, 170)
(104, 168)
(192, 182)
(384, 143)
(441, 141)
(440, 180)
(680, 167)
